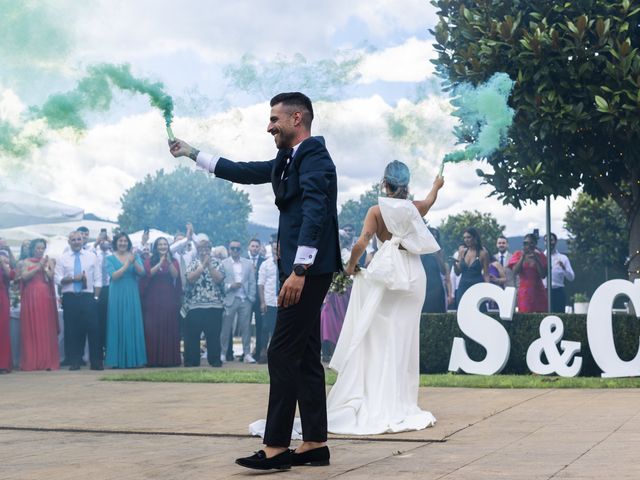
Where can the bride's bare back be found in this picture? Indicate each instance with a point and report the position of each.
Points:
(374, 223)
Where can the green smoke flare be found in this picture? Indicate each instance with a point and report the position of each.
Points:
(94, 93)
(484, 115)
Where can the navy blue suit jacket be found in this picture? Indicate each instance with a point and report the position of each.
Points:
(306, 198)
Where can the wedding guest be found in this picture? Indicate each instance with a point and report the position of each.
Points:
(6, 275)
(561, 272)
(38, 311)
(254, 253)
(497, 274)
(24, 249)
(203, 307)
(268, 294)
(161, 303)
(80, 280)
(4, 246)
(503, 256)
(103, 249)
(220, 252)
(125, 330)
(472, 263)
(183, 249)
(530, 266)
(336, 301)
(240, 288)
(438, 282)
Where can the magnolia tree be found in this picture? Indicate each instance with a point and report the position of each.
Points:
(576, 96)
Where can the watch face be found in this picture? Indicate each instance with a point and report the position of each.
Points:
(299, 270)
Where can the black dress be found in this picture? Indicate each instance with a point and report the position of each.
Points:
(469, 275)
(435, 300)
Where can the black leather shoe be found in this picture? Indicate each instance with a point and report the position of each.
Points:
(75, 366)
(259, 461)
(318, 457)
(97, 367)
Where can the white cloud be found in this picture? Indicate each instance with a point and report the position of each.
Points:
(189, 45)
(109, 159)
(10, 106)
(408, 62)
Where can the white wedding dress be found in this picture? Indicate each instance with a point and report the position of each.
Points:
(377, 355)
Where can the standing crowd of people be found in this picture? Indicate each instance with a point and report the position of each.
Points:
(136, 306)
(129, 306)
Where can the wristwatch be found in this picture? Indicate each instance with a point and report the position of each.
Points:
(300, 270)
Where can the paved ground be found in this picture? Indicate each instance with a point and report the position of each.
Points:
(70, 425)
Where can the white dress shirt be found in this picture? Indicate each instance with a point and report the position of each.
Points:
(183, 256)
(237, 278)
(559, 274)
(65, 267)
(304, 255)
(268, 278)
(102, 255)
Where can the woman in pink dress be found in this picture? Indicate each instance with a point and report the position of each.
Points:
(38, 311)
(530, 265)
(160, 305)
(6, 275)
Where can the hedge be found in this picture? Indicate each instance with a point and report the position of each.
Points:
(438, 330)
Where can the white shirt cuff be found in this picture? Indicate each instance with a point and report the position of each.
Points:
(206, 161)
(305, 255)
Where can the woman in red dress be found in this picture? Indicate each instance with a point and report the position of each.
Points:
(160, 305)
(38, 311)
(530, 265)
(6, 275)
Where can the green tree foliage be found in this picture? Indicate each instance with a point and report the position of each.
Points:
(452, 228)
(168, 200)
(577, 94)
(354, 211)
(597, 232)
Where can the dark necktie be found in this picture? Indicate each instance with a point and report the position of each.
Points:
(286, 160)
(502, 259)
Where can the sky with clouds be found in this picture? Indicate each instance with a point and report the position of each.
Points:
(364, 63)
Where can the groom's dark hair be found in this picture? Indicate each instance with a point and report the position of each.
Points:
(297, 100)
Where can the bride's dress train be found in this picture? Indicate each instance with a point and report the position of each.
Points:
(377, 355)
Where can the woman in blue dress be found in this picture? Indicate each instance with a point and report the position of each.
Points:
(125, 329)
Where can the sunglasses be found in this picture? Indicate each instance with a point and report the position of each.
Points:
(235, 249)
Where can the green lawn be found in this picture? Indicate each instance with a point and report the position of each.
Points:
(441, 380)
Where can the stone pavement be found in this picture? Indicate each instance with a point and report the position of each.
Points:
(70, 425)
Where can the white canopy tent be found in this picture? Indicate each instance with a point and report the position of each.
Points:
(19, 208)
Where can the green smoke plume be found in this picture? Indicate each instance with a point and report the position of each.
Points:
(485, 116)
(93, 93)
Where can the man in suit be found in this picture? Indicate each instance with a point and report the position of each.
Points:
(253, 254)
(503, 256)
(304, 182)
(240, 293)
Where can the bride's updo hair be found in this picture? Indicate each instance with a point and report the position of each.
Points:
(396, 178)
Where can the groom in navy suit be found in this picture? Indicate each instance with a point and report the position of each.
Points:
(303, 178)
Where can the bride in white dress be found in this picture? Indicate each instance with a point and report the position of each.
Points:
(377, 355)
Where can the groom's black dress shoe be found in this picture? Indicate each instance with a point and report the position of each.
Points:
(318, 457)
(259, 461)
